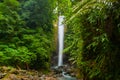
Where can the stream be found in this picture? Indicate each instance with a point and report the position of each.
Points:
(60, 69)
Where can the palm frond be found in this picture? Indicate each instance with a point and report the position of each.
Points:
(85, 6)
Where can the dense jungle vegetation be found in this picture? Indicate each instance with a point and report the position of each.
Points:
(25, 33)
(92, 36)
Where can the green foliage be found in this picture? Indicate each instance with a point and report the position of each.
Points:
(21, 45)
(13, 56)
(9, 17)
(38, 13)
(93, 38)
(63, 6)
(12, 3)
(40, 44)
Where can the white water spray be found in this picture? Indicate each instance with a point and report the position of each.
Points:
(60, 40)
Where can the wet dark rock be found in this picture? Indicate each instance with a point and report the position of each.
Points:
(13, 77)
(15, 72)
(57, 69)
(64, 72)
(42, 77)
(2, 75)
(4, 69)
(73, 74)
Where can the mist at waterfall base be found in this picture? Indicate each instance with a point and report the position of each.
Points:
(60, 66)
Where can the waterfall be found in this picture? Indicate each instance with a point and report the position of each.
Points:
(60, 68)
(60, 40)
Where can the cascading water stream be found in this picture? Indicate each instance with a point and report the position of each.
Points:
(59, 69)
(60, 40)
